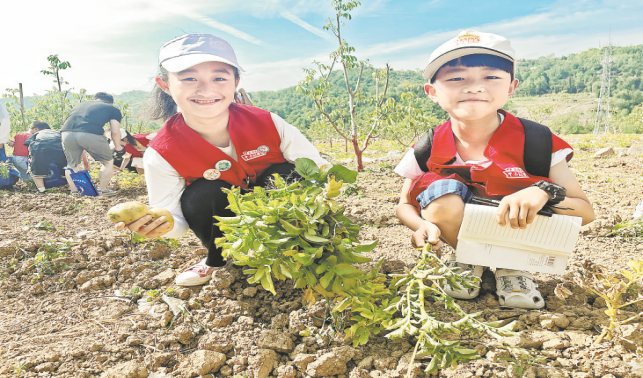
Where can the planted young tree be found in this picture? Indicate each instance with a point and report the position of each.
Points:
(60, 97)
(410, 121)
(15, 109)
(342, 112)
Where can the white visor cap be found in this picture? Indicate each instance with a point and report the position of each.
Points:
(191, 49)
(469, 42)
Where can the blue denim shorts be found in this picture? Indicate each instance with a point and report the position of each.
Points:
(442, 187)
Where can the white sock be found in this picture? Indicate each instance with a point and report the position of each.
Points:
(41, 190)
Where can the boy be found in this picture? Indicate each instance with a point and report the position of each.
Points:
(479, 151)
(21, 153)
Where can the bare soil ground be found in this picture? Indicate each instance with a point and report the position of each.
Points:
(74, 323)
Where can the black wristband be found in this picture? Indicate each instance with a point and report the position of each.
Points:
(557, 192)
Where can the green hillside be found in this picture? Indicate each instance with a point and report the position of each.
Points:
(560, 90)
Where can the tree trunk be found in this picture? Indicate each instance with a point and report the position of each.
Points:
(358, 155)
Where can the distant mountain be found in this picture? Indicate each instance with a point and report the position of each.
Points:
(574, 73)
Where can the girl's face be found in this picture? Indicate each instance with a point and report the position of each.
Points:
(202, 91)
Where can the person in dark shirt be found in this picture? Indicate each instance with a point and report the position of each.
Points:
(44, 146)
(83, 131)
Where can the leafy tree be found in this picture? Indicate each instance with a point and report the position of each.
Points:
(341, 112)
(55, 66)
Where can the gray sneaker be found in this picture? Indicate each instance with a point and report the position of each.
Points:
(107, 192)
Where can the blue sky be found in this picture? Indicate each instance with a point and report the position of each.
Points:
(113, 45)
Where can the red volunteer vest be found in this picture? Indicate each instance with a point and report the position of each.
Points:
(141, 138)
(505, 175)
(252, 132)
(19, 148)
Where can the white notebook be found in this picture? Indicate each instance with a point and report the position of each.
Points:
(544, 246)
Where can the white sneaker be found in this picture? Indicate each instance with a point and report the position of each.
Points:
(198, 274)
(516, 288)
(468, 269)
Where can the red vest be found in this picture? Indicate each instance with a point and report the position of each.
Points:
(253, 135)
(19, 148)
(141, 138)
(505, 175)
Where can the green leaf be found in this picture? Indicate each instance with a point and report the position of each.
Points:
(229, 220)
(360, 248)
(345, 269)
(306, 167)
(279, 182)
(325, 280)
(266, 282)
(315, 239)
(290, 229)
(343, 173)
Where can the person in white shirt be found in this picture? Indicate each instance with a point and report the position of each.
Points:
(5, 130)
(213, 143)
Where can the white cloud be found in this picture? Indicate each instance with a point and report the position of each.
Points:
(562, 29)
(277, 75)
(196, 15)
(296, 20)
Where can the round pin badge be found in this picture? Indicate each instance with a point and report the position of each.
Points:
(263, 149)
(211, 174)
(223, 165)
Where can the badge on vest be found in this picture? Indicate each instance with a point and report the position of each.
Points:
(211, 174)
(223, 165)
(515, 173)
(215, 173)
(253, 154)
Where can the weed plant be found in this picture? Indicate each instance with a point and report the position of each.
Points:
(617, 290)
(47, 253)
(4, 169)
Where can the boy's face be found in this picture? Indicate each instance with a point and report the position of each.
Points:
(471, 93)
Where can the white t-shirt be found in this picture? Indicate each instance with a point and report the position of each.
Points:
(410, 169)
(165, 185)
(5, 124)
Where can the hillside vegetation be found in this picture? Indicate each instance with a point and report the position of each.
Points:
(561, 92)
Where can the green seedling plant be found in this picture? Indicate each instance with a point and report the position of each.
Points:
(628, 229)
(296, 231)
(617, 290)
(4, 170)
(426, 281)
(47, 253)
(520, 360)
(19, 368)
(129, 180)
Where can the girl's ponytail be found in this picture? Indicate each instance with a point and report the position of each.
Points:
(160, 105)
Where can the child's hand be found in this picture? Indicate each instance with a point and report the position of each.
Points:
(428, 232)
(146, 227)
(521, 207)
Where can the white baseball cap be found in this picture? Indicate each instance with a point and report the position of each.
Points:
(191, 49)
(468, 42)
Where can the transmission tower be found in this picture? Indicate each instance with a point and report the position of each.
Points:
(602, 119)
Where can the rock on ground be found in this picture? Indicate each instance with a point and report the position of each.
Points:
(201, 362)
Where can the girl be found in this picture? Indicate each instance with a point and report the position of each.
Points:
(213, 143)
